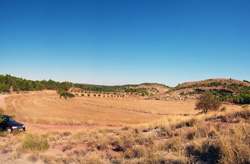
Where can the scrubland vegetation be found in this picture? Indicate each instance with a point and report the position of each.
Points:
(235, 92)
(221, 137)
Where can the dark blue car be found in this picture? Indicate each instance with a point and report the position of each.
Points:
(10, 125)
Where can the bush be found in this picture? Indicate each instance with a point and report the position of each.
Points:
(34, 142)
(66, 95)
(223, 109)
(1, 115)
(207, 102)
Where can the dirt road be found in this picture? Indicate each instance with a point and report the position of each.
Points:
(45, 128)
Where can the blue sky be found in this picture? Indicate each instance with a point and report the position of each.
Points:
(115, 42)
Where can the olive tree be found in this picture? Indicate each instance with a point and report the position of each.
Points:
(207, 102)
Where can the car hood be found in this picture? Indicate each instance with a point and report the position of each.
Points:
(14, 123)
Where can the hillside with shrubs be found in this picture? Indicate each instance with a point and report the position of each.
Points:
(230, 90)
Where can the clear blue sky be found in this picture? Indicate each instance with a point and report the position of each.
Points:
(116, 42)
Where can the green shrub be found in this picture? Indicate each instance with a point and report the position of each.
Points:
(34, 142)
(66, 94)
(1, 115)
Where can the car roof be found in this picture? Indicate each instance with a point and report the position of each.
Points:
(6, 116)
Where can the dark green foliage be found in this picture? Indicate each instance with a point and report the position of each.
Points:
(1, 115)
(4, 88)
(246, 81)
(39, 86)
(66, 94)
(20, 84)
(207, 102)
(243, 98)
(182, 93)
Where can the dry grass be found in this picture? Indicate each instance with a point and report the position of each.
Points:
(217, 137)
(45, 107)
(193, 139)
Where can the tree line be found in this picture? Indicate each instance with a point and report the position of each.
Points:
(19, 84)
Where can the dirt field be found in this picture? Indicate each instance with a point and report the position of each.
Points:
(46, 108)
(41, 109)
(77, 130)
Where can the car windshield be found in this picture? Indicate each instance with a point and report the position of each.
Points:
(9, 119)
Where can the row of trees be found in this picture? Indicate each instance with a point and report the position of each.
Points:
(143, 91)
(99, 88)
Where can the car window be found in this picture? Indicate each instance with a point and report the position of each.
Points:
(10, 119)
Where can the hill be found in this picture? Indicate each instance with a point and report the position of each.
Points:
(224, 89)
(213, 82)
(10, 83)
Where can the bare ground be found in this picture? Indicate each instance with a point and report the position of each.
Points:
(2, 101)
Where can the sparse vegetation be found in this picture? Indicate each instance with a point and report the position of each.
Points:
(176, 139)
